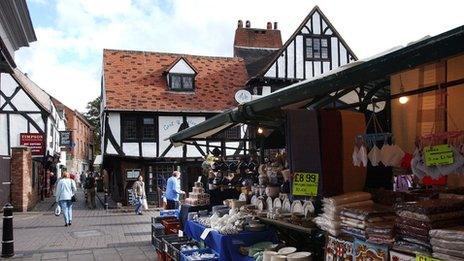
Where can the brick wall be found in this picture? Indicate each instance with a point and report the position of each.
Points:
(23, 194)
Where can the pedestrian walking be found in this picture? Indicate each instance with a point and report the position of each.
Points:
(139, 194)
(89, 186)
(173, 191)
(82, 178)
(65, 190)
(52, 182)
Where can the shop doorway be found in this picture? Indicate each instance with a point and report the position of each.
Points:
(5, 181)
(156, 177)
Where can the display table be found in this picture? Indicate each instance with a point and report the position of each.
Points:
(228, 245)
(185, 209)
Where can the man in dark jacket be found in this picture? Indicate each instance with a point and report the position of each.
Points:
(89, 185)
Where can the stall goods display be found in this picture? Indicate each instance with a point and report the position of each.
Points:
(416, 219)
(449, 242)
(329, 220)
(338, 249)
(398, 256)
(198, 197)
(368, 251)
(201, 254)
(374, 223)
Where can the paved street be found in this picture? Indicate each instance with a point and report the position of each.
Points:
(94, 234)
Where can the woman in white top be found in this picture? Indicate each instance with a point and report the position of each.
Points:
(65, 190)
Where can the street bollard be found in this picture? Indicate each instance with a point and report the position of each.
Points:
(7, 237)
(106, 199)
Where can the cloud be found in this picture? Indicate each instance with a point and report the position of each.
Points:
(67, 57)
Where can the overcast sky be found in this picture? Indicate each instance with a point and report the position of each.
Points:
(66, 60)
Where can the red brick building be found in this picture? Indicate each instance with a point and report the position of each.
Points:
(79, 155)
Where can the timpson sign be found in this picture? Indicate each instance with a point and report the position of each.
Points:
(35, 141)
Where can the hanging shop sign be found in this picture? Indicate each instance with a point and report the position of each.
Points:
(438, 155)
(66, 138)
(35, 141)
(132, 173)
(305, 184)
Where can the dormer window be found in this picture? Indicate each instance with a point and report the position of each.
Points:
(181, 82)
(181, 75)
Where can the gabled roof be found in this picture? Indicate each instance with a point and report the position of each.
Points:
(297, 31)
(177, 61)
(40, 96)
(135, 81)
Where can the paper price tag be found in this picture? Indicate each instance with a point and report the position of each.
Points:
(421, 257)
(305, 184)
(438, 155)
(205, 233)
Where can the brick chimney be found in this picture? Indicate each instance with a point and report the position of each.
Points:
(255, 38)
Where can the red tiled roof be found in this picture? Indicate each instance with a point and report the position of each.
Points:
(136, 80)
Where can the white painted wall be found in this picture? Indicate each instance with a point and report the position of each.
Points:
(37, 118)
(169, 125)
(18, 125)
(192, 151)
(3, 136)
(182, 67)
(131, 148)
(110, 150)
(149, 149)
(114, 120)
(22, 102)
(8, 84)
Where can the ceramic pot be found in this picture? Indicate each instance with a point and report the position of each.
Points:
(300, 256)
(267, 255)
(278, 258)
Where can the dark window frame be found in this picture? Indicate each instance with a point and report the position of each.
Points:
(124, 138)
(143, 138)
(139, 128)
(317, 38)
(182, 76)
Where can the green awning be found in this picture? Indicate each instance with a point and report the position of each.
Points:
(340, 79)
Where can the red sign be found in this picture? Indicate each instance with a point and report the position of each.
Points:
(35, 141)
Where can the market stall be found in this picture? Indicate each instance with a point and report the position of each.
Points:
(375, 184)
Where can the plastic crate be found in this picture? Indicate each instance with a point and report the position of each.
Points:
(186, 254)
(155, 220)
(157, 230)
(174, 249)
(159, 243)
(169, 213)
(167, 241)
(171, 226)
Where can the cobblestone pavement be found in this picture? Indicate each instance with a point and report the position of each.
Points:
(94, 235)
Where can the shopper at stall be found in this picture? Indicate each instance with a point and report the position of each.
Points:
(65, 190)
(139, 194)
(173, 191)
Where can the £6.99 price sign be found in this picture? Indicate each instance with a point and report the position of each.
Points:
(305, 184)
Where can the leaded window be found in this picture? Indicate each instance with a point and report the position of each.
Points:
(317, 48)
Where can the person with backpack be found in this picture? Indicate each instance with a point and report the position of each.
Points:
(89, 186)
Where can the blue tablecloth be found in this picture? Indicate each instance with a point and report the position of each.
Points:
(227, 245)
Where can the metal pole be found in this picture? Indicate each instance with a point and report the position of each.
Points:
(106, 199)
(7, 237)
